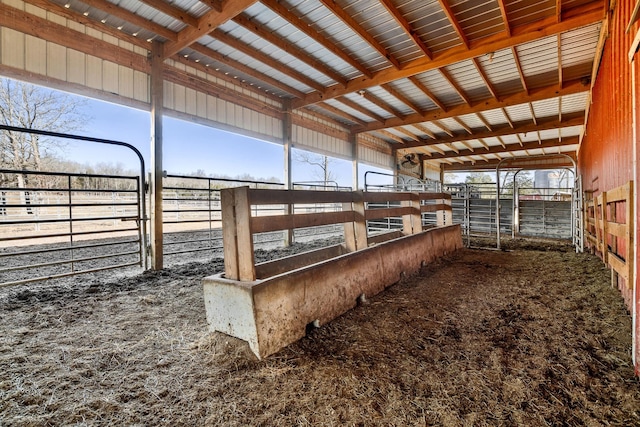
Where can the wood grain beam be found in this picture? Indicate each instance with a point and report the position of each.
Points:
(445, 75)
(537, 94)
(401, 97)
(427, 92)
(207, 23)
(359, 29)
(355, 106)
(505, 17)
(454, 22)
(265, 59)
(523, 80)
(172, 11)
(132, 18)
(524, 127)
(549, 162)
(247, 70)
(280, 42)
(307, 29)
(340, 113)
(406, 27)
(583, 15)
(485, 78)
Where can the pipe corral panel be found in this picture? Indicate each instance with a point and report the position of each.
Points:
(274, 312)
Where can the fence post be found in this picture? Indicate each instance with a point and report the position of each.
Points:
(412, 223)
(237, 236)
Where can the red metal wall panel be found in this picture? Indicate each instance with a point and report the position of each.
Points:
(606, 155)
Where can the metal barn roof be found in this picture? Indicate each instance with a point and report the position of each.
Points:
(463, 83)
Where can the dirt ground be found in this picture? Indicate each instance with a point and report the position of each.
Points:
(533, 336)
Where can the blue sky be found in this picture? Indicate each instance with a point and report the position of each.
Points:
(188, 147)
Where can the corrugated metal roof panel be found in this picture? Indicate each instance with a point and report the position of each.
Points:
(539, 57)
(365, 103)
(472, 121)
(525, 11)
(445, 93)
(571, 131)
(415, 95)
(390, 100)
(578, 46)
(494, 117)
(467, 77)
(330, 26)
(500, 68)
(453, 126)
(575, 102)
(429, 21)
(519, 113)
(478, 19)
(546, 108)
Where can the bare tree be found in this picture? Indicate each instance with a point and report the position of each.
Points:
(321, 166)
(28, 106)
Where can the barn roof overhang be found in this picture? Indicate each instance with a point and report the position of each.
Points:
(463, 84)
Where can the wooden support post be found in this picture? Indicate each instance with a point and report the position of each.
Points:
(353, 138)
(605, 228)
(412, 223)
(359, 223)
(287, 129)
(614, 241)
(236, 234)
(155, 186)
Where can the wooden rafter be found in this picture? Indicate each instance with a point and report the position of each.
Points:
(427, 92)
(307, 29)
(132, 18)
(287, 47)
(584, 15)
(462, 124)
(485, 78)
(406, 27)
(506, 116)
(411, 135)
(560, 77)
(454, 22)
(443, 127)
(355, 26)
(484, 121)
(501, 141)
(393, 137)
(401, 97)
(245, 69)
(558, 10)
(172, 11)
(523, 81)
(533, 114)
(359, 108)
(505, 17)
(536, 94)
(445, 74)
(340, 113)
(425, 130)
(265, 59)
(207, 23)
(468, 145)
(549, 163)
(548, 123)
(381, 104)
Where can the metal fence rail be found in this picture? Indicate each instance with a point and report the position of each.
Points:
(61, 224)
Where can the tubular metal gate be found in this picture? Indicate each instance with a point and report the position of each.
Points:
(61, 224)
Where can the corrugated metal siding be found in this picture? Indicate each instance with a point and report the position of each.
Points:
(605, 158)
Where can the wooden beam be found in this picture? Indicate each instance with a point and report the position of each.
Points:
(523, 81)
(216, 56)
(406, 27)
(550, 162)
(155, 186)
(505, 17)
(445, 74)
(132, 18)
(506, 116)
(359, 108)
(443, 127)
(484, 121)
(280, 42)
(552, 91)
(425, 130)
(308, 29)
(207, 23)
(172, 11)
(484, 144)
(526, 126)
(485, 78)
(584, 15)
(265, 59)
(560, 77)
(411, 135)
(381, 104)
(358, 29)
(401, 97)
(392, 137)
(462, 124)
(427, 92)
(558, 10)
(454, 22)
(338, 112)
(533, 114)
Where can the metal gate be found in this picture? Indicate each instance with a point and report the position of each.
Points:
(55, 224)
(544, 212)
